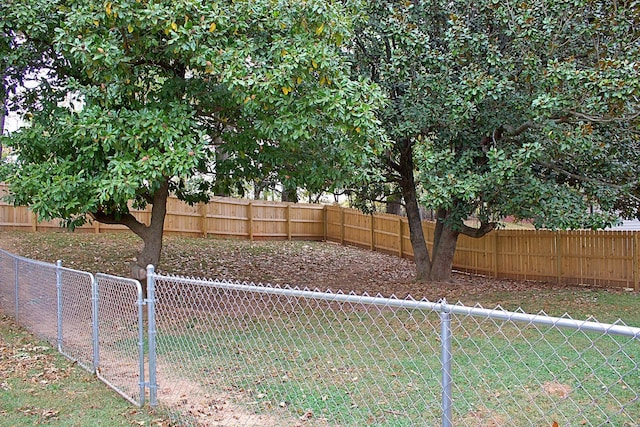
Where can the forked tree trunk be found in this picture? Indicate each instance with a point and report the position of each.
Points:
(438, 267)
(151, 235)
(445, 241)
(416, 234)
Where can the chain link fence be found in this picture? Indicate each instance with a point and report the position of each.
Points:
(234, 354)
(240, 354)
(95, 321)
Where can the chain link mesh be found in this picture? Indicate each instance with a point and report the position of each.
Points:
(230, 354)
(233, 354)
(37, 295)
(233, 357)
(120, 335)
(8, 283)
(508, 373)
(76, 317)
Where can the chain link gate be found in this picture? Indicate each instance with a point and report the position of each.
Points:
(121, 339)
(95, 321)
(76, 321)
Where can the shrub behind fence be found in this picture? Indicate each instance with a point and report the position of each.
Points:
(222, 353)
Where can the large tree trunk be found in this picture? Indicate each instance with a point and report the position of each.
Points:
(408, 187)
(152, 234)
(445, 241)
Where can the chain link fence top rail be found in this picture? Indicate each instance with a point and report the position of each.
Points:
(240, 354)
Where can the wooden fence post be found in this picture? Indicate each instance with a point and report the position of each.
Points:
(204, 223)
(289, 222)
(494, 261)
(325, 211)
(373, 233)
(558, 241)
(34, 222)
(250, 218)
(400, 239)
(342, 226)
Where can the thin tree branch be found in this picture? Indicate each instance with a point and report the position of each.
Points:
(603, 119)
(583, 178)
(511, 131)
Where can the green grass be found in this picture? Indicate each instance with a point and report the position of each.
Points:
(341, 375)
(362, 369)
(39, 386)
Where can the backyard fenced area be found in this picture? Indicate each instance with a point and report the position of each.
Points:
(604, 258)
(222, 353)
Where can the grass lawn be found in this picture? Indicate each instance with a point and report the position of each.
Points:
(39, 386)
(360, 363)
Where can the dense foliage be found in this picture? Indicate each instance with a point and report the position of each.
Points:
(494, 108)
(170, 93)
(501, 108)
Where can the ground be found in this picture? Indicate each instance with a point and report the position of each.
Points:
(314, 265)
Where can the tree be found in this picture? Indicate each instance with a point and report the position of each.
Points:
(165, 86)
(500, 108)
(26, 53)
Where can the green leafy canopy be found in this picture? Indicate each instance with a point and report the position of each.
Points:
(515, 108)
(164, 86)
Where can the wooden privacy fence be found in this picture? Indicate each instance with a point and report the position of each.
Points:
(604, 258)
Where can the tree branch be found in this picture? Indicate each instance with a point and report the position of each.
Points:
(583, 178)
(485, 228)
(128, 220)
(603, 119)
(511, 131)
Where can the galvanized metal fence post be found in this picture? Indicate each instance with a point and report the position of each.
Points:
(59, 303)
(17, 287)
(445, 338)
(151, 299)
(141, 365)
(95, 338)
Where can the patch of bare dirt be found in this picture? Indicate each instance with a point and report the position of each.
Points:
(557, 389)
(217, 410)
(484, 417)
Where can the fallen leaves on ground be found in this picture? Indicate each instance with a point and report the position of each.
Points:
(313, 265)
